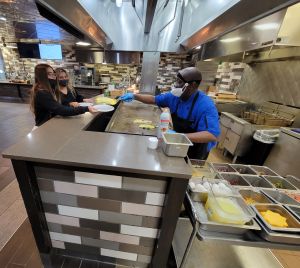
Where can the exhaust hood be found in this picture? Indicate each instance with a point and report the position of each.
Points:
(155, 25)
(275, 37)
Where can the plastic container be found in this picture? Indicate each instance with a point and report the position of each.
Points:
(228, 209)
(163, 124)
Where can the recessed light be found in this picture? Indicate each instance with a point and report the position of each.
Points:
(2, 18)
(81, 43)
(266, 26)
(232, 39)
(208, 60)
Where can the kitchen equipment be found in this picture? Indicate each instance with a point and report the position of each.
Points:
(243, 169)
(233, 178)
(280, 183)
(257, 181)
(295, 210)
(279, 197)
(293, 223)
(105, 78)
(175, 144)
(263, 170)
(222, 167)
(254, 196)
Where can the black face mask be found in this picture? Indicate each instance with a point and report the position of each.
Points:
(64, 82)
(52, 83)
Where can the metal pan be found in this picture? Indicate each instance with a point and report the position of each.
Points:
(293, 180)
(256, 196)
(277, 237)
(263, 170)
(243, 169)
(279, 197)
(234, 179)
(295, 210)
(280, 183)
(293, 223)
(218, 167)
(257, 181)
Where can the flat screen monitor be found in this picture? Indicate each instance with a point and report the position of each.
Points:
(50, 51)
(27, 50)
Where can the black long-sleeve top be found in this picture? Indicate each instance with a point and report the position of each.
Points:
(69, 97)
(47, 107)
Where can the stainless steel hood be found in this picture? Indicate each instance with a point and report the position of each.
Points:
(155, 25)
(274, 37)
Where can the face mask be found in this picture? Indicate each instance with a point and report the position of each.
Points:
(52, 83)
(177, 91)
(64, 82)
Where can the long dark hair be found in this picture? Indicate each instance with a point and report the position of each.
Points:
(41, 82)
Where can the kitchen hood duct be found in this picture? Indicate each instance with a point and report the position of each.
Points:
(261, 40)
(149, 73)
(149, 15)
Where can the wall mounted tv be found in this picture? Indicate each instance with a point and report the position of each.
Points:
(27, 50)
(50, 51)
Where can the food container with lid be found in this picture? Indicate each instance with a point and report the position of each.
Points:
(227, 209)
(175, 144)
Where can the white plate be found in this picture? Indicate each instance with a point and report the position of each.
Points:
(85, 104)
(104, 108)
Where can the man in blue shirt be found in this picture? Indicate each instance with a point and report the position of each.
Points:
(193, 112)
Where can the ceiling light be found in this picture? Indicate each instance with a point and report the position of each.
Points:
(198, 47)
(81, 43)
(208, 60)
(2, 18)
(266, 26)
(229, 40)
(119, 3)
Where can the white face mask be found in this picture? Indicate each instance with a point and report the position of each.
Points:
(177, 91)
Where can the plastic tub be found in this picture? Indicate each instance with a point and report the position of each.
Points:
(228, 209)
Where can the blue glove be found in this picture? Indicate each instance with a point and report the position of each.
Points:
(171, 131)
(127, 97)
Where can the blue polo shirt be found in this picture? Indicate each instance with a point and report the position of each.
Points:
(205, 115)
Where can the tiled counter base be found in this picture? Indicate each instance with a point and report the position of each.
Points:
(120, 219)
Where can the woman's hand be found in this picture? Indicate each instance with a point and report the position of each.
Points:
(92, 109)
(74, 104)
(88, 100)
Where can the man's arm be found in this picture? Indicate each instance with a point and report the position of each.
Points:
(148, 99)
(201, 137)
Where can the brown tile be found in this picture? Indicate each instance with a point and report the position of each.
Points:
(136, 249)
(100, 204)
(50, 208)
(55, 174)
(145, 185)
(46, 185)
(57, 198)
(122, 195)
(100, 243)
(151, 222)
(147, 242)
(97, 225)
(132, 263)
(81, 231)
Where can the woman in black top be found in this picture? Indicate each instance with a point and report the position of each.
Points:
(69, 96)
(45, 97)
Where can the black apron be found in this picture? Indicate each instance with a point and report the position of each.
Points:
(198, 150)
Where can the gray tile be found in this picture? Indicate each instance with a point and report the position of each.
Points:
(114, 217)
(100, 243)
(136, 249)
(81, 231)
(122, 195)
(147, 242)
(54, 174)
(132, 263)
(46, 185)
(145, 185)
(151, 222)
(51, 208)
(57, 198)
(54, 227)
(144, 259)
(100, 204)
(82, 248)
(97, 225)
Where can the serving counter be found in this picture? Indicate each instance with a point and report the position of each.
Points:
(96, 195)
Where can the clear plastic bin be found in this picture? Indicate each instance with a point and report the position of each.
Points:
(228, 209)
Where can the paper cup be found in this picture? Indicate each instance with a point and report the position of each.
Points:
(152, 143)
